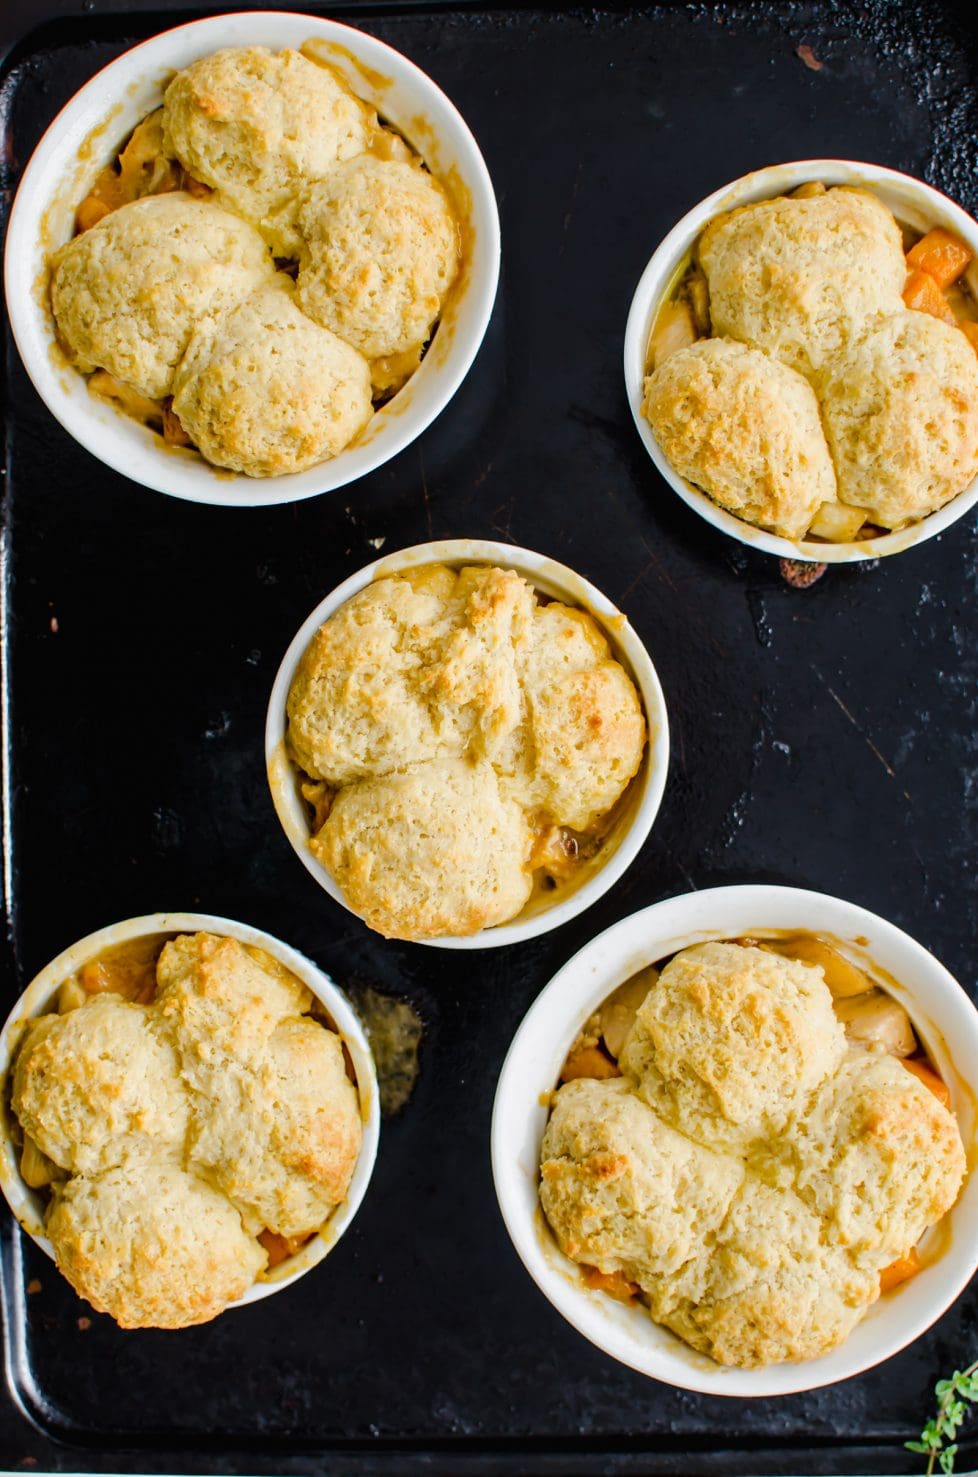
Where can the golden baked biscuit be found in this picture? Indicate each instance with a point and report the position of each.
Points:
(765, 1290)
(434, 849)
(878, 1157)
(797, 276)
(474, 684)
(258, 126)
(152, 1245)
(274, 1119)
(900, 406)
(746, 429)
(280, 1134)
(380, 251)
(265, 391)
(417, 666)
(91, 1086)
(730, 1041)
(218, 998)
(585, 727)
(128, 294)
(622, 1191)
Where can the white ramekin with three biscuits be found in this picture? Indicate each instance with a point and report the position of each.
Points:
(915, 205)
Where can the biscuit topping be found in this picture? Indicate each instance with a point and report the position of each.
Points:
(184, 1140)
(754, 1177)
(457, 740)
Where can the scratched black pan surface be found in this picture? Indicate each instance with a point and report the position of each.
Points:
(824, 738)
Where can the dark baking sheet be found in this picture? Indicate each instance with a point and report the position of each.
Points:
(825, 738)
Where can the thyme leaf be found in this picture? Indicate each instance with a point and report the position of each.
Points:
(937, 1439)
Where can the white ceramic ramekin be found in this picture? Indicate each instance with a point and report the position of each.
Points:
(28, 1205)
(945, 1020)
(555, 580)
(86, 135)
(914, 204)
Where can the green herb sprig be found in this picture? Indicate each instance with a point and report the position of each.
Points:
(937, 1439)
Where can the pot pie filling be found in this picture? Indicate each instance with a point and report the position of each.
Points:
(192, 1117)
(461, 743)
(798, 376)
(350, 224)
(750, 1140)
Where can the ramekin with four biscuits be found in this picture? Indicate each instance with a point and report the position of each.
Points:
(190, 1116)
(253, 258)
(732, 1140)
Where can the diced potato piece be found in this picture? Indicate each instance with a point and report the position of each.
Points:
(809, 190)
(930, 1079)
(941, 255)
(674, 330)
(588, 1061)
(842, 978)
(36, 1168)
(923, 295)
(899, 1271)
(837, 522)
(970, 331)
(557, 851)
(70, 996)
(875, 1019)
(620, 1009)
(144, 168)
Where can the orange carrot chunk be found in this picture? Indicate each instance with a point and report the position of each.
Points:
(924, 296)
(615, 1284)
(941, 255)
(280, 1248)
(929, 1078)
(589, 1061)
(899, 1271)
